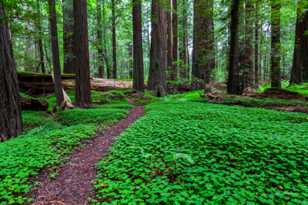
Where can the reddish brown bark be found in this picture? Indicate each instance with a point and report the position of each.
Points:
(55, 51)
(158, 53)
(275, 45)
(10, 111)
(138, 69)
(233, 64)
(204, 51)
(68, 36)
(81, 54)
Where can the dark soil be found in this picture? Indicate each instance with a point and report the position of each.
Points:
(280, 93)
(73, 185)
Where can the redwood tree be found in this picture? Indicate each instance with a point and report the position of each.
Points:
(175, 40)
(204, 50)
(114, 39)
(68, 37)
(300, 63)
(81, 54)
(55, 51)
(233, 85)
(99, 39)
(249, 53)
(183, 51)
(158, 53)
(138, 72)
(10, 111)
(41, 65)
(275, 45)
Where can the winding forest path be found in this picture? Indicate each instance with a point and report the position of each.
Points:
(73, 185)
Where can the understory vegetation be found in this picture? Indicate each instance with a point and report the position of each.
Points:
(184, 151)
(48, 139)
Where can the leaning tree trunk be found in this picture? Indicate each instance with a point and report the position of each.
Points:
(99, 38)
(81, 54)
(204, 49)
(233, 85)
(68, 37)
(158, 53)
(10, 111)
(55, 52)
(275, 45)
(138, 69)
(114, 39)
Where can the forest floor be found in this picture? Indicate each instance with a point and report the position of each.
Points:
(73, 184)
(183, 150)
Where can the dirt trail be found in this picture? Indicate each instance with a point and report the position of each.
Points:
(73, 185)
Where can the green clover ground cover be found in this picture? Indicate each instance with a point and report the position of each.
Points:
(46, 145)
(184, 152)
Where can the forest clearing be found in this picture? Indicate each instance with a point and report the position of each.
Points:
(153, 102)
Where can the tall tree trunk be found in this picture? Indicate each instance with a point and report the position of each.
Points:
(108, 70)
(55, 51)
(300, 49)
(174, 71)
(248, 60)
(305, 46)
(184, 43)
(275, 45)
(158, 53)
(169, 39)
(81, 54)
(138, 67)
(257, 43)
(99, 39)
(10, 110)
(233, 64)
(68, 36)
(204, 49)
(39, 38)
(114, 39)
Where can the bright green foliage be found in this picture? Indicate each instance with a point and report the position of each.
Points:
(91, 115)
(32, 119)
(262, 102)
(24, 156)
(50, 141)
(299, 88)
(185, 152)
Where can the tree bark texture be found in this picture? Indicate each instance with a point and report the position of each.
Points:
(99, 39)
(138, 66)
(233, 85)
(68, 36)
(81, 54)
(275, 44)
(10, 110)
(204, 48)
(114, 39)
(158, 53)
(55, 52)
